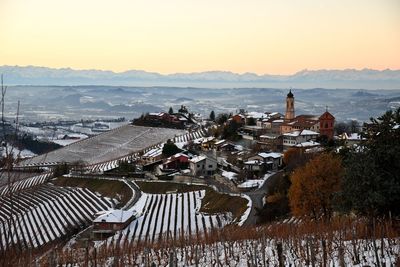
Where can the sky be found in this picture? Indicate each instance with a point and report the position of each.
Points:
(260, 36)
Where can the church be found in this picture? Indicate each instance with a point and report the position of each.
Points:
(324, 124)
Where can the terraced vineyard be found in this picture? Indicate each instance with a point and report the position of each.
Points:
(110, 145)
(125, 143)
(25, 183)
(34, 217)
(170, 216)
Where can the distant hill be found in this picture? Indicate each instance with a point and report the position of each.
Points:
(348, 78)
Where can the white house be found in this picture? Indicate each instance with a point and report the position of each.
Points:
(295, 138)
(202, 166)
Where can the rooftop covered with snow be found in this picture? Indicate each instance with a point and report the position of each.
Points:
(114, 216)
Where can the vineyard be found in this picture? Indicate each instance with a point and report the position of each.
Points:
(34, 217)
(113, 144)
(342, 242)
(24, 184)
(170, 216)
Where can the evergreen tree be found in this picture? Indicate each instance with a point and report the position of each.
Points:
(170, 149)
(170, 111)
(371, 185)
(251, 121)
(222, 118)
(212, 116)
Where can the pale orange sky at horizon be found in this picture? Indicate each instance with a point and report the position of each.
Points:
(260, 36)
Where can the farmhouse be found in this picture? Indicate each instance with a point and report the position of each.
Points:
(112, 220)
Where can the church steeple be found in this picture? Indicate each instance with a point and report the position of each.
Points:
(289, 115)
(290, 94)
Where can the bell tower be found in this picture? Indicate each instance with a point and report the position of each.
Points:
(289, 115)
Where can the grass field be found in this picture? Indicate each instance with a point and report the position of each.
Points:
(212, 203)
(107, 188)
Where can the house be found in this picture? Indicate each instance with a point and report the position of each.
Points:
(239, 118)
(267, 122)
(351, 139)
(208, 143)
(163, 119)
(307, 145)
(254, 165)
(219, 143)
(152, 155)
(203, 166)
(175, 162)
(297, 137)
(270, 142)
(110, 221)
(301, 122)
(272, 160)
(273, 126)
(228, 147)
(252, 132)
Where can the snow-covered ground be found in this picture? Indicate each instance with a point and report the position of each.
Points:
(46, 213)
(24, 153)
(229, 175)
(109, 145)
(262, 251)
(255, 183)
(171, 215)
(64, 140)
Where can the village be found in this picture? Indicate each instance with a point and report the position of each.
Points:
(166, 176)
(241, 147)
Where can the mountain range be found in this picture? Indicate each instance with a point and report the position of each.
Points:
(348, 78)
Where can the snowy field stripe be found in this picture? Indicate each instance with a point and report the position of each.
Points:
(172, 220)
(193, 227)
(158, 219)
(47, 225)
(161, 219)
(61, 222)
(61, 205)
(39, 227)
(73, 209)
(80, 206)
(179, 227)
(28, 231)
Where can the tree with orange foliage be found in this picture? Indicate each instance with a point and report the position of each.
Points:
(294, 157)
(314, 186)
